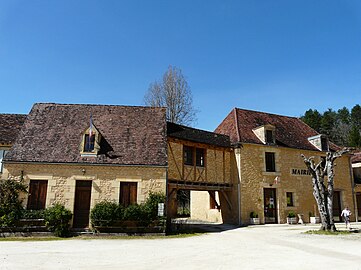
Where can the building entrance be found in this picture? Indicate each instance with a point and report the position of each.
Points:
(270, 205)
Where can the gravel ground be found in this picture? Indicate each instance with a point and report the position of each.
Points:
(253, 247)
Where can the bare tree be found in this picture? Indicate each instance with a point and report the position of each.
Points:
(323, 189)
(174, 93)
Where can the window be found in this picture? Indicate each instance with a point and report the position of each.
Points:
(269, 136)
(289, 196)
(200, 157)
(128, 193)
(188, 155)
(324, 144)
(89, 143)
(270, 162)
(37, 194)
(2, 155)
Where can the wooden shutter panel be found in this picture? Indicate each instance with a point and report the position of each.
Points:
(37, 196)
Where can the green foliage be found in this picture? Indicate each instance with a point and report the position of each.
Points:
(105, 213)
(57, 219)
(10, 204)
(32, 214)
(291, 214)
(253, 215)
(342, 127)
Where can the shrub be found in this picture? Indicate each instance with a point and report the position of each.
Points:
(57, 219)
(291, 214)
(105, 213)
(32, 214)
(253, 215)
(151, 205)
(134, 212)
(10, 204)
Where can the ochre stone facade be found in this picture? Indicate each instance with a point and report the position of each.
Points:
(105, 181)
(289, 165)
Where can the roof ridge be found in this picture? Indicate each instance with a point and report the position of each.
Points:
(240, 109)
(88, 104)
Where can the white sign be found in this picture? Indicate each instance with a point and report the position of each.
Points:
(160, 209)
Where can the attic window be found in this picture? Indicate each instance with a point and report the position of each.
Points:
(324, 144)
(89, 143)
(269, 136)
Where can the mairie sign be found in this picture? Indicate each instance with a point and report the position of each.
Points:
(300, 172)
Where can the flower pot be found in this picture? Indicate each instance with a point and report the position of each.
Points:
(254, 221)
(292, 220)
(314, 220)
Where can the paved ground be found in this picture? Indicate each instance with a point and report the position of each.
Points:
(254, 247)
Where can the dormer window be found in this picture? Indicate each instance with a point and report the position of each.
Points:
(266, 134)
(89, 142)
(269, 137)
(320, 142)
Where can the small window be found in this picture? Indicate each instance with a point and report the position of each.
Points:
(270, 162)
(89, 143)
(128, 193)
(37, 194)
(269, 136)
(200, 157)
(289, 196)
(324, 144)
(188, 155)
(2, 155)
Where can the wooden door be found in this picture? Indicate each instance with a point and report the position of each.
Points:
(82, 204)
(128, 193)
(37, 194)
(337, 205)
(358, 202)
(270, 205)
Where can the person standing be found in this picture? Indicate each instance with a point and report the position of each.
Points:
(346, 213)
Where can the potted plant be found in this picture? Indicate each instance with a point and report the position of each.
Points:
(314, 219)
(254, 219)
(291, 218)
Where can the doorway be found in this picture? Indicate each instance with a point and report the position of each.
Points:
(358, 203)
(337, 206)
(270, 205)
(82, 204)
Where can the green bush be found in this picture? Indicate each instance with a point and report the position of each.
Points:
(105, 213)
(10, 204)
(253, 215)
(291, 214)
(151, 204)
(32, 214)
(134, 212)
(57, 219)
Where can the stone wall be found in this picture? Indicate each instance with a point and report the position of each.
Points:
(105, 180)
(254, 178)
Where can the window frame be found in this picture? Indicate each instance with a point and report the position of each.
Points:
(89, 144)
(290, 200)
(130, 189)
(269, 137)
(200, 157)
(270, 161)
(3, 152)
(37, 198)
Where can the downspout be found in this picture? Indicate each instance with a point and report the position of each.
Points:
(238, 160)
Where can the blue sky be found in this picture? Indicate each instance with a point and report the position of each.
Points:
(275, 56)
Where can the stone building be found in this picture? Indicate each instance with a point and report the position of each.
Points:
(272, 177)
(356, 168)
(200, 162)
(10, 125)
(79, 155)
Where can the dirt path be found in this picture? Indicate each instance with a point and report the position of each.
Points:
(257, 247)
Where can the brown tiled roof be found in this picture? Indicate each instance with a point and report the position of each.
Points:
(10, 125)
(290, 131)
(356, 157)
(197, 135)
(53, 133)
